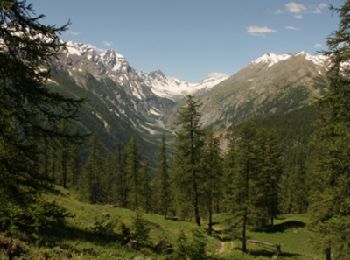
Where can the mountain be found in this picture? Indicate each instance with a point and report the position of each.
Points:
(121, 100)
(271, 84)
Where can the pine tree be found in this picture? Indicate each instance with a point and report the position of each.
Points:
(94, 173)
(212, 175)
(74, 163)
(29, 110)
(188, 154)
(164, 182)
(267, 184)
(146, 189)
(64, 155)
(116, 180)
(132, 169)
(330, 203)
(245, 173)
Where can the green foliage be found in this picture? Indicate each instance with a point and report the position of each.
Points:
(94, 173)
(330, 195)
(125, 233)
(212, 169)
(253, 166)
(29, 115)
(132, 168)
(140, 231)
(35, 222)
(181, 250)
(163, 185)
(187, 179)
(197, 248)
(104, 225)
(146, 194)
(115, 179)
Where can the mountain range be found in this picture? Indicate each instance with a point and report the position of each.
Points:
(122, 101)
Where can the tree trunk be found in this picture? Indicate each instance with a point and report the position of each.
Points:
(196, 204)
(245, 210)
(210, 216)
(64, 167)
(244, 235)
(328, 253)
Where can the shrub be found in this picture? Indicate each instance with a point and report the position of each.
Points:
(140, 229)
(38, 220)
(104, 225)
(197, 248)
(180, 251)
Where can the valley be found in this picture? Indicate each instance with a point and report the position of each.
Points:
(102, 160)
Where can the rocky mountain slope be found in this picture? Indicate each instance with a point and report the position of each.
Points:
(122, 100)
(271, 84)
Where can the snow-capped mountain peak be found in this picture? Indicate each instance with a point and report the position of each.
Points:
(271, 59)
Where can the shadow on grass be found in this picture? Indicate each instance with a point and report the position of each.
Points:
(264, 252)
(281, 227)
(76, 234)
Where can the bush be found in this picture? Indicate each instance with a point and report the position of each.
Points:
(181, 246)
(125, 233)
(199, 242)
(35, 221)
(104, 225)
(140, 229)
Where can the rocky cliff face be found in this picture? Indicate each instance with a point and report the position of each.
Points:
(123, 100)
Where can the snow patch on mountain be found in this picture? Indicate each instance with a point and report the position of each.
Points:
(117, 68)
(171, 87)
(271, 59)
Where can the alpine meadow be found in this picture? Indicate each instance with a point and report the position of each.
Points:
(100, 160)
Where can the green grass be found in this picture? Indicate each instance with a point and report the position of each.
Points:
(77, 240)
(289, 231)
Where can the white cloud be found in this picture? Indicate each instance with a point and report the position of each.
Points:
(318, 9)
(318, 45)
(293, 7)
(298, 10)
(74, 33)
(259, 30)
(292, 28)
(107, 43)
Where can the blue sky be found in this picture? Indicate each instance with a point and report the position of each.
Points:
(190, 38)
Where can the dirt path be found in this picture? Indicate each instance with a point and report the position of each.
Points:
(225, 247)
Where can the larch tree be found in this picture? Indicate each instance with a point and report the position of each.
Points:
(164, 180)
(188, 154)
(94, 173)
(212, 175)
(330, 203)
(29, 110)
(132, 168)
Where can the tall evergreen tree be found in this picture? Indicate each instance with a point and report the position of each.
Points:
(29, 110)
(188, 154)
(146, 196)
(267, 184)
(246, 171)
(116, 177)
(64, 155)
(212, 175)
(330, 207)
(132, 169)
(75, 163)
(164, 180)
(94, 173)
